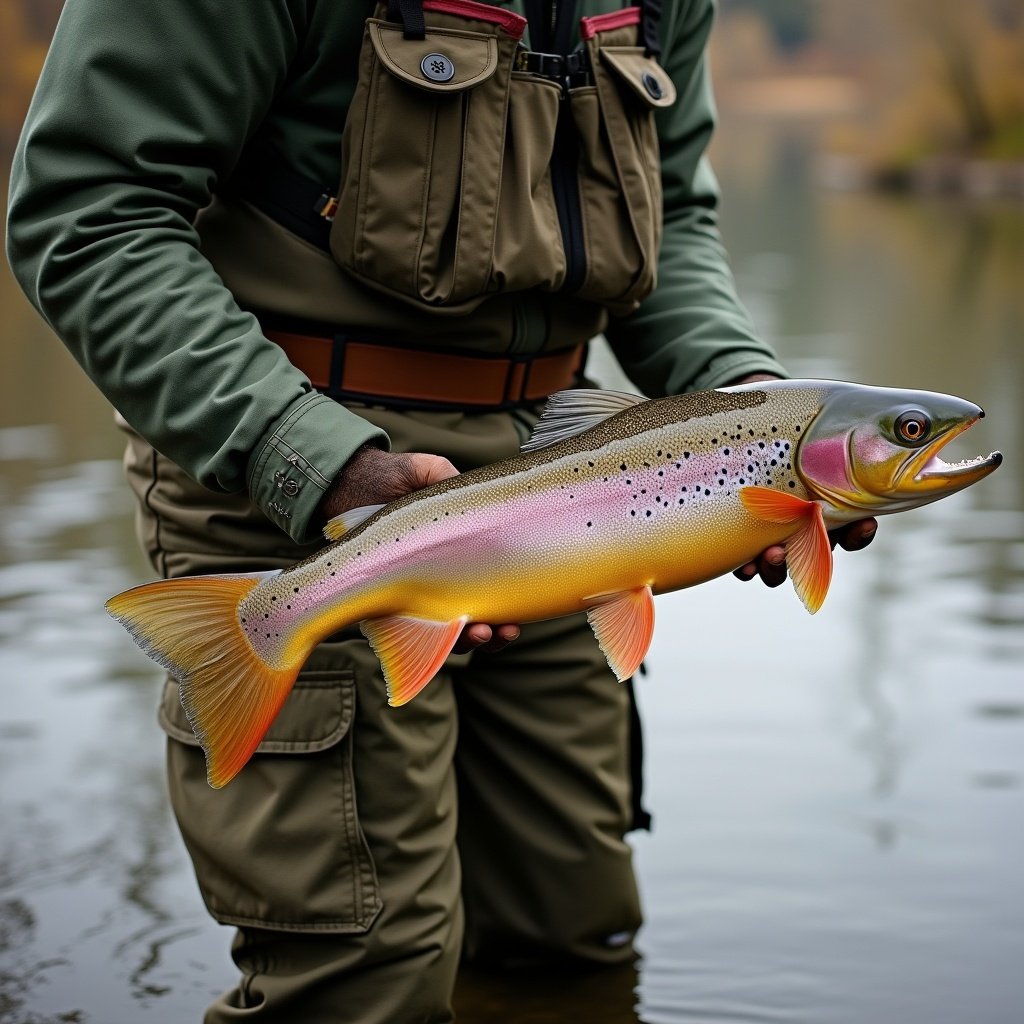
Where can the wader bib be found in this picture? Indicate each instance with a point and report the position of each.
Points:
(493, 197)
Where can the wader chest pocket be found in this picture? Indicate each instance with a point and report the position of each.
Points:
(280, 846)
(422, 156)
(620, 167)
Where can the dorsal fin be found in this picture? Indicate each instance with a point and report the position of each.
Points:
(337, 527)
(569, 413)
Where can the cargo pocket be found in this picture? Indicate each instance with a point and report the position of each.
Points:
(280, 846)
(620, 166)
(422, 155)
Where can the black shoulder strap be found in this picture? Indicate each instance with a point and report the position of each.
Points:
(410, 14)
(650, 15)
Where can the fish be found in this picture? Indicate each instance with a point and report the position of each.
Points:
(613, 499)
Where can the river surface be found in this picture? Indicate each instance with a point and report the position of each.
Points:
(838, 800)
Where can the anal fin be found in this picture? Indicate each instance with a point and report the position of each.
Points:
(411, 651)
(623, 624)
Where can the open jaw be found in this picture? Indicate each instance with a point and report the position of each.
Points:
(926, 468)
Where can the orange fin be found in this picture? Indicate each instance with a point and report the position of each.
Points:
(230, 694)
(809, 560)
(808, 551)
(411, 651)
(623, 624)
(774, 506)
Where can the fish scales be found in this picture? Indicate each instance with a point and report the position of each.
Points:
(642, 489)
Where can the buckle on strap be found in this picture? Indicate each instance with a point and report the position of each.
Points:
(554, 66)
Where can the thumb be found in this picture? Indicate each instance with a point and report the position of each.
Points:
(425, 469)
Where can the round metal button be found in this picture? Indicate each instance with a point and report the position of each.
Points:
(437, 67)
(652, 85)
(291, 488)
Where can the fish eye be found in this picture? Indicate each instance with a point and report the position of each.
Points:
(912, 426)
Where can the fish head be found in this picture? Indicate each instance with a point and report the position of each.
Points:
(871, 451)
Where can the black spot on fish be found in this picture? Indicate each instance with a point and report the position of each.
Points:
(589, 523)
(775, 430)
(775, 462)
(686, 455)
(661, 472)
(296, 589)
(622, 466)
(590, 464)
(706, 491)
(659, 453)
(632, 511)
(792, 483)
(725, 451)
(798, 428)
(648, 513)
(742, 481)
(760, 444)
(273, 598)
(643, 490)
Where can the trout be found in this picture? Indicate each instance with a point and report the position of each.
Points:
(612, 500)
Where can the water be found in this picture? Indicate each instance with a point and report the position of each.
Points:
(838, 800)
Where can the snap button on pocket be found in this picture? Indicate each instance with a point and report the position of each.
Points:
(437, 67)
(652, 85)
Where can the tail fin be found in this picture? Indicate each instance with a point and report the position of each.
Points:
(229, 692)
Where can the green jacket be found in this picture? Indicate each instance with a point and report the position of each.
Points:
(142, 112)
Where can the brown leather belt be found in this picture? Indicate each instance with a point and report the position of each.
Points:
(427, 378)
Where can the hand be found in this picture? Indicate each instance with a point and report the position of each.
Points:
(770, 565)
(375, 477)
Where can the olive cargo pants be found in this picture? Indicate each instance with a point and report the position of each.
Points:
(364, 848)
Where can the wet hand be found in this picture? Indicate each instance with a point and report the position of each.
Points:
(770, 565)
(375, 477)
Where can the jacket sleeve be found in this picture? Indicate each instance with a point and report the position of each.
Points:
(143, 106)
(692, 332)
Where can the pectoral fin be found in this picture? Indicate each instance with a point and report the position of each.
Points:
(337, 527)
(808, 551)
(623, 624)
(411, 651)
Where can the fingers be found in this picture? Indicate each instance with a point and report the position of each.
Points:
(770, 565)
(479, 636)
(856, 535)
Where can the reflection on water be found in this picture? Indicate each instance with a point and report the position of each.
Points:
(838, 826)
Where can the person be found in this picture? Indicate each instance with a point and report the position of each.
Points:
(317, 257)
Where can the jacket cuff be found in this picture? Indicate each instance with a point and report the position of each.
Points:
(300, 456)
(729, 367)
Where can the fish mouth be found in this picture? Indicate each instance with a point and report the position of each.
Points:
(925, 470)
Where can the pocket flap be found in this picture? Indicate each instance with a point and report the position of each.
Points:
(316, 715)
(643, 74)
(449, 60)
